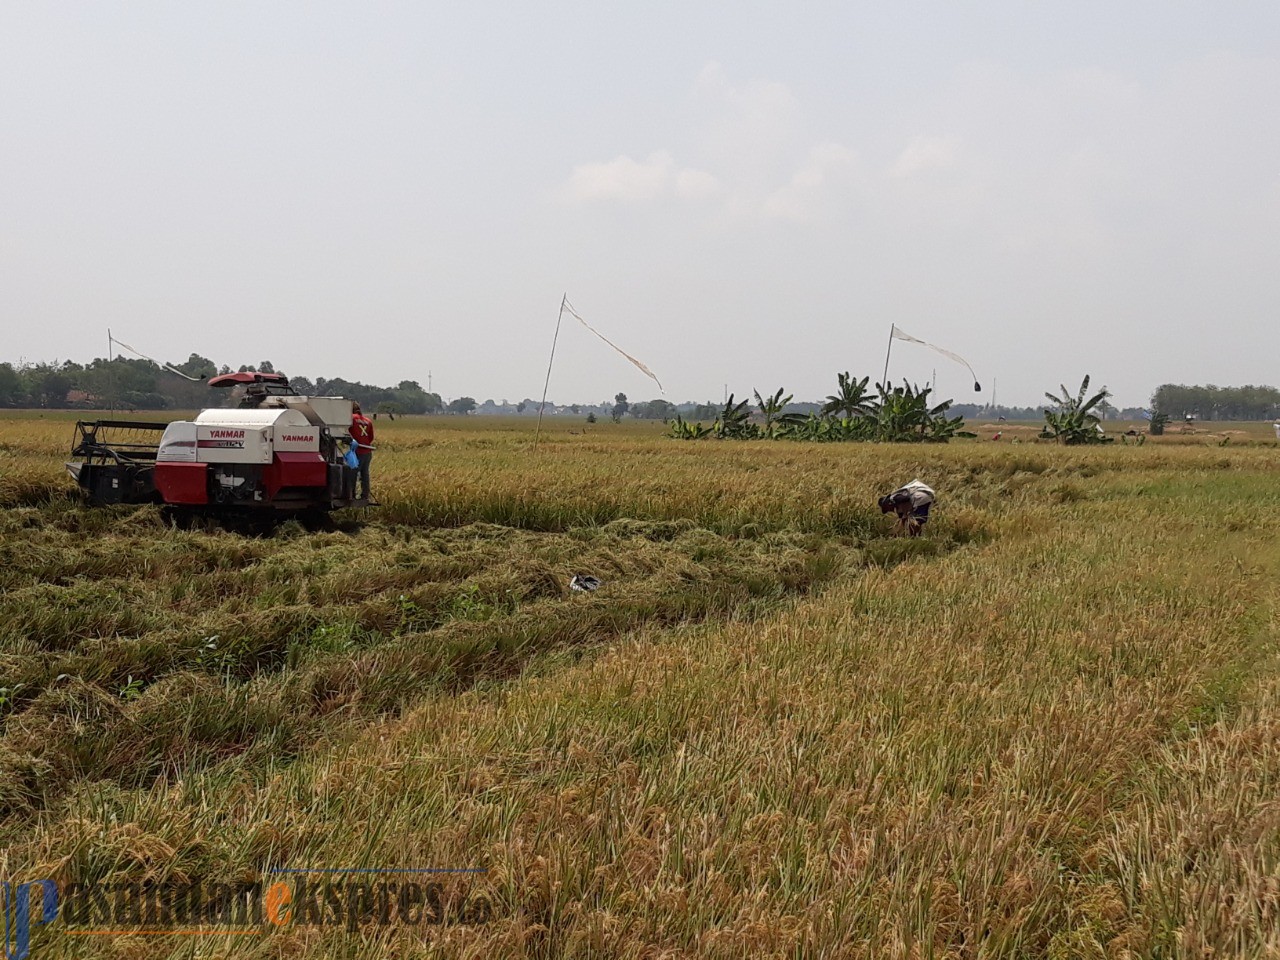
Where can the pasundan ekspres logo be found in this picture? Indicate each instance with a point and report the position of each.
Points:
(352, 899)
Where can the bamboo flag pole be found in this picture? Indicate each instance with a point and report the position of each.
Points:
(537, 435)
(111, 370)
(886, 357)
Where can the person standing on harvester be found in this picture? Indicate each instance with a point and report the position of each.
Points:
(362, 434)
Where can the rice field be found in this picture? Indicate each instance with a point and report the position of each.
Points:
(1049, 728)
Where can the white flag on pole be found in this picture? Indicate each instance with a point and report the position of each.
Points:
(902, 335)
(164, 366)
(643, 369)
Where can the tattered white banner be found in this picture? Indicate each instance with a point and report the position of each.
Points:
(643, 369)
(897, 334)
(164, 366)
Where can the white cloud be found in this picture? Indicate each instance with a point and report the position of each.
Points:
(755, 107)
(746, 133)
(924, 153)
(816, 186)
(626, 180)
(622, 178)
(697, 184)
(750, 160)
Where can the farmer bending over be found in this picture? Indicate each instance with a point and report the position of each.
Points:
(911, 504)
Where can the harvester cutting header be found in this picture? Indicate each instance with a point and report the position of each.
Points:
(276, 455)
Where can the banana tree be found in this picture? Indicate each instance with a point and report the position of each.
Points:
(815, 429)
(775, 421)
(734, 422)
(902, 414)
(682, 429)
(943, 428)
(896, 415)
(851, 399)
(1072, 420)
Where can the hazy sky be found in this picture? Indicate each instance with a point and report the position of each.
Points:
(743, 193)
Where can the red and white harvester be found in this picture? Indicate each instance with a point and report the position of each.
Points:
(275, 456)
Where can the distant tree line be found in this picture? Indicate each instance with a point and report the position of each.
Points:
(133, 384)
(128, 384)
(1217, 403)
(985, 411)
(406, 397)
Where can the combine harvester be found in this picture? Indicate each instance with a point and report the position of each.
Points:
(276, 456)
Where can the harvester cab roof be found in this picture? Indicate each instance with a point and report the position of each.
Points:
(249, 376)
(257, 386)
